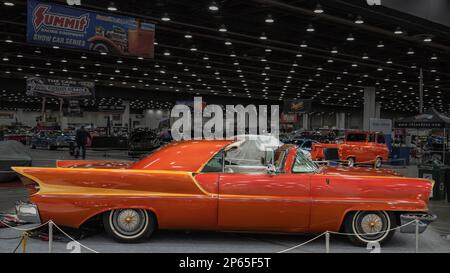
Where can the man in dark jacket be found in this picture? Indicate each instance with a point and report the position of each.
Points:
(81, 139)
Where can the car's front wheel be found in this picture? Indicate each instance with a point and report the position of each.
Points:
(351, 161)
(129, 225)
(378, 163)
(364, 227)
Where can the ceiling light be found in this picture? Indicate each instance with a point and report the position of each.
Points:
(350, 37)
(9, 4)
(318, 9)
(380, 44)
(410, 51)
(268, 50)
(213, 6)
(310, 28)
(434, 57)
(228, 43)
(188, 35)
(359, 20)
(389, 61)
(165, 17)
(263, 36)
(193, 48)
(223, 28)
(112, 7)
(303, 44)
(365, 57)
(398, 31)
(8, 39)
(427, 39)
(166, 53)
(334, 50)
(269, 19)
(5, 59)
(19, 55)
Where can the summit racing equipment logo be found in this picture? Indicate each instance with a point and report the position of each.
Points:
(43, 17)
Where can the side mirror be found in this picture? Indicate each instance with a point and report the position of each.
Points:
(271, 169)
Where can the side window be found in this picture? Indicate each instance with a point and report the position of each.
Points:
(372, 138)
(215, 164)
(381, 139)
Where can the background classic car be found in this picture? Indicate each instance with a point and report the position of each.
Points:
(194, 185)
(359, 147)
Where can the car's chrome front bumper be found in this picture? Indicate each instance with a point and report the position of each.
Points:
(28, 212)
(424, 220)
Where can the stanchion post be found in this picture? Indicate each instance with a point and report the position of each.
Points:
(417, 235)
(327, 242)
(50, 236)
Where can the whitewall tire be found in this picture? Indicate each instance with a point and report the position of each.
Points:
(351, 161)
(378, 163)
(370, 226)
(129, 225)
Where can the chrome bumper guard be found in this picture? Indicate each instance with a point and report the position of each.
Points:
(28, 212)
(424, 220)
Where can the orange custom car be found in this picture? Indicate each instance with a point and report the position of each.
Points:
(358, 148)
(195, 185)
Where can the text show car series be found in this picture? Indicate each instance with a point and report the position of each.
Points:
(196, 185)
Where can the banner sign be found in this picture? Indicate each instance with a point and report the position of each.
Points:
(289, 118)
(73, 109)
(420, 124)
(57, 25)
(111, 108)
(65, 89)
(381, 125)
(297, 106)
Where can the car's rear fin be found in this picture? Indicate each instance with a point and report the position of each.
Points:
(30, 184)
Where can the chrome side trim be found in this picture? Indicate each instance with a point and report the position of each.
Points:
(233, 198)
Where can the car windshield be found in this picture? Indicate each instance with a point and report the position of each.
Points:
(304, 164)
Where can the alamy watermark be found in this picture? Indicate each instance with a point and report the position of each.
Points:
(214, 122)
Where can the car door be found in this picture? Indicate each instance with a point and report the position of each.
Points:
(371, 148)
(264, 201)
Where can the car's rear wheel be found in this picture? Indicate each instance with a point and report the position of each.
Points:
(370, 226)
(378, 163)
(351, 161)
(129, 225)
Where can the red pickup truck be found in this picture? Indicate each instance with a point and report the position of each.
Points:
(359, 147)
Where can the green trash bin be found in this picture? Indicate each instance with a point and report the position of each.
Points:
(439, 174)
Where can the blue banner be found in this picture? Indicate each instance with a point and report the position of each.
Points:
(63, 26)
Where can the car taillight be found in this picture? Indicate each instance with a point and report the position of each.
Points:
(31, 186)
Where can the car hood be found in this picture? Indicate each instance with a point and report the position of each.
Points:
(357, 171)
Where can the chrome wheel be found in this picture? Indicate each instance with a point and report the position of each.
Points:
(351, 162)
(128, 223)
(378, 163)
(370, 226)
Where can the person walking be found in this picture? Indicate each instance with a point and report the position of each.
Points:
(81, 139)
